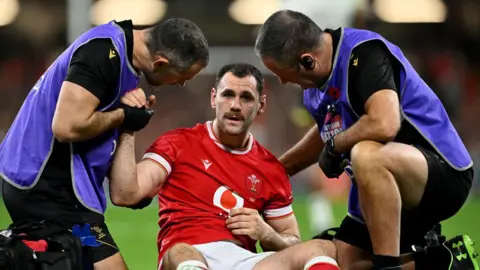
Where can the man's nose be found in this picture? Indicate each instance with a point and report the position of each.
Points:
(235, 106)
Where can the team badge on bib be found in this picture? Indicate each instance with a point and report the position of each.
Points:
(331, 126)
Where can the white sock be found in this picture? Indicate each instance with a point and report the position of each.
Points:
(320, 259)
(192, 265)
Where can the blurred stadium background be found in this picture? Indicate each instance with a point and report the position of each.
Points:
(440, 37)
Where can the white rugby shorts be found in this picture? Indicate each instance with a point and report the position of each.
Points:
(226, 255)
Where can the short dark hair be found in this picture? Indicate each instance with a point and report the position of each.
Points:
(241, 70)
(181, 41)
(285, 35)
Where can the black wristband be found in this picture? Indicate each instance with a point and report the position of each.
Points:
(135, 118)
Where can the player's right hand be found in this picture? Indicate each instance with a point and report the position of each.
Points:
(135, 118)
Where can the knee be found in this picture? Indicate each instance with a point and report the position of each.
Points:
(363, 152)
(316, 248)
(324, 248)
(179, 253)
(366, 156)
(180, 249)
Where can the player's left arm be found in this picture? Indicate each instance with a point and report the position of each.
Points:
(274, 234)
(285, 233)
(279, 216)
(374, 82)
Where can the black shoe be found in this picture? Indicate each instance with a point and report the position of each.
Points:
(454, 254)
(462, 253)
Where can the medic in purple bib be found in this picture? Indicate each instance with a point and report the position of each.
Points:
(376, 118)
(58, 151)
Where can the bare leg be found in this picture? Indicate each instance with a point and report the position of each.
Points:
(180, 253)
(352, 258)
(295, 257)
(388, 177)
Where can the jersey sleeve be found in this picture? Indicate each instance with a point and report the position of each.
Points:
(166, 149)
(280, 205)
(371, 70)
(93, 67)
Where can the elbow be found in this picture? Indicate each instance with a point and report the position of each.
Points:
(64, 132)
(387, 131)
(117, 200)
(120, 200)
(123, 200)
(63, 136)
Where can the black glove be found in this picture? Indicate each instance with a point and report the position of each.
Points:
(141, 204)
(330, 162)
(135, 118)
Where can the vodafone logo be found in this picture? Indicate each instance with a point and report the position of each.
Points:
(226, 199)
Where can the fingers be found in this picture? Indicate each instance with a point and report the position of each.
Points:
(135, 98)
(242, 211)
(151, 101)
(128, 102)
(140, 96)
(241, 232)
(239, 225)
(239, 218)
(243, 221)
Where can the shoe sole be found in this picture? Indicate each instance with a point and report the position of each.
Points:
(463, 249)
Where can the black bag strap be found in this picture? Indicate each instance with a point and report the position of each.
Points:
(37, 230)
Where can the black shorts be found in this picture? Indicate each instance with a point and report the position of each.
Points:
(42, 202)
(445, 193)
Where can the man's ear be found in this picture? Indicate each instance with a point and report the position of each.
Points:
(159, 63)
(213, 95)
(263, 104)
(307, 60)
